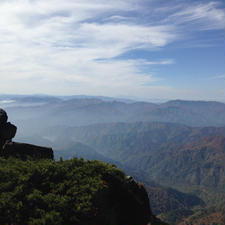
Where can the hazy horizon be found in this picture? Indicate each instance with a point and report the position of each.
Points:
(83, 96)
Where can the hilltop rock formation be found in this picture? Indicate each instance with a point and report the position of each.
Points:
(23, 151)
(7, 130)
(123, 203)
(20, 150)
(3, 117)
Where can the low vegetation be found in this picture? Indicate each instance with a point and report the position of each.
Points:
(49, 192)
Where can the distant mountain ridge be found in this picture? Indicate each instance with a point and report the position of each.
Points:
(28, 111)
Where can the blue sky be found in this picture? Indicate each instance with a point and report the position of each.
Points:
(143, 49)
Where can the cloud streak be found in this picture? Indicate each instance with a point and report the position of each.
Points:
(217, 77)
(72, 47)
(206, 16)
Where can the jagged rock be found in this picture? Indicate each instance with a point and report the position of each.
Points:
(23, 151)
(3, 117)
(120, 203)
(7, 131)
(123, 203)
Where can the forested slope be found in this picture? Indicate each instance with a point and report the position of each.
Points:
(72, 192)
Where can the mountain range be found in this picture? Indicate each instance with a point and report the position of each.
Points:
(177, 148)
(50, 111)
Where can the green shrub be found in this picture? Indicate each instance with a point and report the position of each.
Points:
(47, 192)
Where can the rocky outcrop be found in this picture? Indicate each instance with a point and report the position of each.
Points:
(25, 151)
(7, 130)
(20, 150)
(3, 117)
(122, 203)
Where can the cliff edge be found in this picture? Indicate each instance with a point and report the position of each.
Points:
(20, 150)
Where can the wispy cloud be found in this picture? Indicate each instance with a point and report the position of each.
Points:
(69, 47)
(201, 16)
(56, 43)
(217, 77)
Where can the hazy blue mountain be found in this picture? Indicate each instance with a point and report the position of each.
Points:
(45, 111)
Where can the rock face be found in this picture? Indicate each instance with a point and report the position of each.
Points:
(24, 151)
(3, 117)
(7, 130)
(124, 203)
(20, 150)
